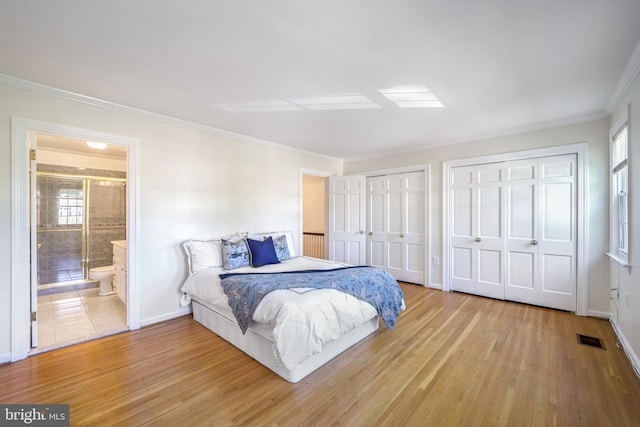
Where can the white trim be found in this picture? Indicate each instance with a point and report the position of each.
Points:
(480, 137)
(136, 112)
(617, 125)
(628, 75)
(599, 314)
(20, 224)
(626, 347)
(166, 316)
(426, 168)
(582, 152)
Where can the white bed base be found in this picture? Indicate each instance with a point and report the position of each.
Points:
(261, 349)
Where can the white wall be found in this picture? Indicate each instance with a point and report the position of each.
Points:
(595, 133)
(629, 281)
(192, 184)
(313, 204)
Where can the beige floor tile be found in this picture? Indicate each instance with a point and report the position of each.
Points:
(77, 316)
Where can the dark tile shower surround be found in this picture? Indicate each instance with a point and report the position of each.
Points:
(61, 248)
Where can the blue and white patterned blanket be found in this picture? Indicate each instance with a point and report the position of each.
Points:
(373, 285)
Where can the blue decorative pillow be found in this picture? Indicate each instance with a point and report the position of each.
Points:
(235, 254)
(262, 252)
(282, 248)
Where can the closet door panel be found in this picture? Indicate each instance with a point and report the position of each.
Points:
(396, 218)
(462, 278)
(558, 229)
(376, 220)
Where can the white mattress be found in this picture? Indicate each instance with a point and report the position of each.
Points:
(258, 345)
(295, 324)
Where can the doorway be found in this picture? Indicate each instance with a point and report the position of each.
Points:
(22, 130)
(78, 224)
(314, 188)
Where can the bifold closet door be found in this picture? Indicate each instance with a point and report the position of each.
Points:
(541, 231)
(477, 230)
(396, 222)
(347, 219)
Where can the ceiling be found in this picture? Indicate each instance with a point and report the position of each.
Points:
(312, 75)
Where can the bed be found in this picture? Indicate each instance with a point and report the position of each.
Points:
(300, 324)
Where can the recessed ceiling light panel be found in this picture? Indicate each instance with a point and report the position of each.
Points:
(258, 106)
(411, 96)
(344, 101)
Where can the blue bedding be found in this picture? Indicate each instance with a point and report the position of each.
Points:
(373, 285)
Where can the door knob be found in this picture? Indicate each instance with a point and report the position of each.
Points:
(361, 231)
(534, 242)
(371, 233)
(478, 239)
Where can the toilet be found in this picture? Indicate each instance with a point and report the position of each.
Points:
(105, 276)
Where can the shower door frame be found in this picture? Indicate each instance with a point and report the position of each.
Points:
(21, 296)
(86, 226)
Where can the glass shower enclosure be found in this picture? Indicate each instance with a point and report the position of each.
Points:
(77, 218)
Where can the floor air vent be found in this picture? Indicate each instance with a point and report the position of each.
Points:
(590, 341)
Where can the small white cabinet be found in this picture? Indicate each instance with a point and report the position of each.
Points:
(120, 269)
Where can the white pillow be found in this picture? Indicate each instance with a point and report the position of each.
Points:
(206, 253)
(203, 254)
(274, 235)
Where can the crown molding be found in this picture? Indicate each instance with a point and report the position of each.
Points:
(160, 118)
(481, 137)
(629, 73)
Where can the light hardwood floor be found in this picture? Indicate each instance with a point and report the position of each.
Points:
(452, 360)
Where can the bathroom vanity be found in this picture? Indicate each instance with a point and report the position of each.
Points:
(120, 269)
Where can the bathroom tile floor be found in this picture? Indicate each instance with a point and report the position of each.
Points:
(76, 316)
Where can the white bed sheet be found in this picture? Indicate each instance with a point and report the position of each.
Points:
(303, 319)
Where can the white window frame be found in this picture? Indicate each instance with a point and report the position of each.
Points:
(619, 200)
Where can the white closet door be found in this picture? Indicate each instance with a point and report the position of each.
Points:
(414, 227)
(477, 235)
(376, 221)
(396, 218)
(541, 227)
(347, 219)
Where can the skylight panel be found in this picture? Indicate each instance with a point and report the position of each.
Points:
(344, 101)
(411, 96)
(266, 105)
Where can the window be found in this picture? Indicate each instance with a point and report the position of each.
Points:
(619, 182)
(70, 203)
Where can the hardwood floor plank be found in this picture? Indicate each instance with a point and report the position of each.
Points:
(452, 359)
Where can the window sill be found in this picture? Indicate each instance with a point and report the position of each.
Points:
(623, 262)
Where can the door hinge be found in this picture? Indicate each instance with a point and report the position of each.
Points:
(33, 316)
(32, 153)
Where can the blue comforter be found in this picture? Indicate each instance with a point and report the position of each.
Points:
(373, 285)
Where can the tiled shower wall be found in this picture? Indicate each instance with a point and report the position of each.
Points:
(60, 250)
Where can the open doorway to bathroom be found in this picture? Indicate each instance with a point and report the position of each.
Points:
(78, 224)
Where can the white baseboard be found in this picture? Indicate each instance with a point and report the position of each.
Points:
(168, 316)
(601, 314)
(434, 286)
(626, 347)
(5, 358)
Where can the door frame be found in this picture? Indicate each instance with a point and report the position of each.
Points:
(426, 168)
(20, 249)
(581, 150)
